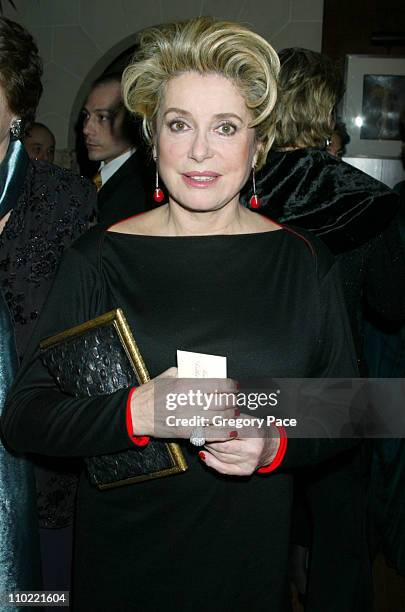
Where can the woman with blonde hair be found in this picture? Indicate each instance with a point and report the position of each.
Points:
(203, 274)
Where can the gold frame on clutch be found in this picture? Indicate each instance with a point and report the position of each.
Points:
(117, 319)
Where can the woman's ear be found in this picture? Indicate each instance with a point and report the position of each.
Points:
(258, 149)
(154, 152)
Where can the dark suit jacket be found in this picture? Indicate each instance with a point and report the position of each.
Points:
(128, 192)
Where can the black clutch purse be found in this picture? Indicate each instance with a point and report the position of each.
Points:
(98, 358)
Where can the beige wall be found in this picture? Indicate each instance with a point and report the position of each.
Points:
(79, 38)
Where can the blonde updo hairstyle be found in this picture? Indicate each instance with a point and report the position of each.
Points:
(205, 46)
(310, 86)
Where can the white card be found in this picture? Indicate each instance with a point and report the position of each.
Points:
(200, 365)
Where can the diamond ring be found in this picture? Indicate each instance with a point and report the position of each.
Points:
(197, 436)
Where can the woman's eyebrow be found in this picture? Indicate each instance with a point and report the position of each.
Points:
(181, 111)
(227, 115)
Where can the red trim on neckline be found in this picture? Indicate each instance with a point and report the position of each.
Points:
(294, 232)
(108, 229)
(298, 235)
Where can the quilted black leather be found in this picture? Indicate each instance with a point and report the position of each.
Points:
(96, 363)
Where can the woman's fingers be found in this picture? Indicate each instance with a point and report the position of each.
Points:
(228, 458)
(227, 447)
(235, 457)
(219, 466)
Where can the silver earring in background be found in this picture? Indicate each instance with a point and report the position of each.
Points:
(328, 142)
(16, 128)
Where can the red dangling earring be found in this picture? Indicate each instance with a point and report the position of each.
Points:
(158, 194)
(254, 200)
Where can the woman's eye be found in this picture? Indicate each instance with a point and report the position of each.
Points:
(177, 126)
(227, 129)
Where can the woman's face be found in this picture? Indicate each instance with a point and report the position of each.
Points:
(6, 117)
(204, 146)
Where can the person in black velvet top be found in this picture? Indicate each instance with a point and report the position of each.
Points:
(304, 185)
(356, 217)
(200, 273)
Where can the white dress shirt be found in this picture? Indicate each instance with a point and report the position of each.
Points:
(108, 169)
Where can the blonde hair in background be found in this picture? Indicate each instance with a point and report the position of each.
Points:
(205, 46)
(310, 85)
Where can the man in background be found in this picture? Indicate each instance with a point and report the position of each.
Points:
(40, 143)
(112, 138)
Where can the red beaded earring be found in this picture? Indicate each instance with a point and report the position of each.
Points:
(254, 200)
(158, 194)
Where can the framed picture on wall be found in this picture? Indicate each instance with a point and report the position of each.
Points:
(374, 99)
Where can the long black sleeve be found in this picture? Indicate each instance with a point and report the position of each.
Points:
(334, 359)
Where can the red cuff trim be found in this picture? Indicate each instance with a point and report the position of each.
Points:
(138, 440)
(282, 449)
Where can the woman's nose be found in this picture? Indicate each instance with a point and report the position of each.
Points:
(200, 147)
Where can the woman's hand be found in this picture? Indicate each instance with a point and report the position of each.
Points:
(171, 407)
(242, 456)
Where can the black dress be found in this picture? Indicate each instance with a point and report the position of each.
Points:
(267, 301)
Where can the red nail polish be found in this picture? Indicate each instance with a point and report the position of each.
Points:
(237, 412)
(233, 434)
(201, 455)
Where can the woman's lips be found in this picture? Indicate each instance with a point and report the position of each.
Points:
(201, 180)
